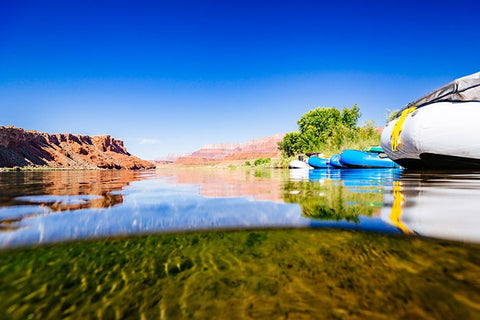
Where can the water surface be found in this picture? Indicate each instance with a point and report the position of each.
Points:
(57, 206)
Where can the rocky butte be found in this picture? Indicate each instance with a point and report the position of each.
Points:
(29, 148)
(233, 153)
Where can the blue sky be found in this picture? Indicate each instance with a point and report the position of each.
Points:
(167, 76)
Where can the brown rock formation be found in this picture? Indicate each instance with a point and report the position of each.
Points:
(227, 152)
(24, 148)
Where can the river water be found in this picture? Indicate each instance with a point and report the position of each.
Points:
(56, 206)
(416, 233)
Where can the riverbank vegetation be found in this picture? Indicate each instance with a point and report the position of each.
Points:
(329, 131)
(265, 162)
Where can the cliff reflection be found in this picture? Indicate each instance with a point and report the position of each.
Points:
(258, 184)
(24, 194)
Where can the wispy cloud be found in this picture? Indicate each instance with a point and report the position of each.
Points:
(150, 141)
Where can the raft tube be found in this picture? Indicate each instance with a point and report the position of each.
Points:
(319, 163)
(361, 159)
(335, 161)
(441, 135)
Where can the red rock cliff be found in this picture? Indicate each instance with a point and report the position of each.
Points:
(22, 148)
(225, 152)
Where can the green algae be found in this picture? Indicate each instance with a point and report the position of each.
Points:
(261, 274)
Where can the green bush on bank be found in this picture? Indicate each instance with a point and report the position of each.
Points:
(329, 131)
(259, 162)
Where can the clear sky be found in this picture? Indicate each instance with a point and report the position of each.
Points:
(167, 76)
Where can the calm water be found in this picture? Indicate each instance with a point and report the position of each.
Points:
(56, 206)
(199, 243)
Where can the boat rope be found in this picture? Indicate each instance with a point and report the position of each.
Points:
(396, 213)
(398, 127)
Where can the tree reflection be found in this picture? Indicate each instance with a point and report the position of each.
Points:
(331, 200)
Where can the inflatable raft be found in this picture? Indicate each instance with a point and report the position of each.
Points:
(298, 164)
(440, 130)
(318, 163)
(361, 159)
(335, 161)
(376, 149)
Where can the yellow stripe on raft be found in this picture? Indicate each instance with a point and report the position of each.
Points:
(396, 213)
(398, 127)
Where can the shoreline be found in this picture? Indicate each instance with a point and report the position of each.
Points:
(30, 169)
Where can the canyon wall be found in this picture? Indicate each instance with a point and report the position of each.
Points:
(29, 148)
(231, 152)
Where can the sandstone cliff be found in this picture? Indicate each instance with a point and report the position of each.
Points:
(19, 147)
(230, 152)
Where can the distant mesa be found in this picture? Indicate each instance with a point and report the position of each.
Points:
(231, 153)
(170, 158)
(29, 148)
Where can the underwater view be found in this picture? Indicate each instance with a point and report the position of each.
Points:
(239, 243)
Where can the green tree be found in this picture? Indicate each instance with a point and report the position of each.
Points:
(310, 140)
(323, 120)
(327, 130)
(350, 116)
(289, 144)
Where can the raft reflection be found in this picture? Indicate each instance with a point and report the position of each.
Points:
(435, 204)
(439, 204)
(338, 194)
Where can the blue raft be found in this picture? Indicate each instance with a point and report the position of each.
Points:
(361, 159)
(318, 163)
(335, 161)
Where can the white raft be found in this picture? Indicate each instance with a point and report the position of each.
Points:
(440, 130)
(298, 164)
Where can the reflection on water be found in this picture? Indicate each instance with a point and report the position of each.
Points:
(263, 268)
(48, 184)
(339, 194)
(29, 194)
(435, 204)
(257, 184)
(55, 206)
